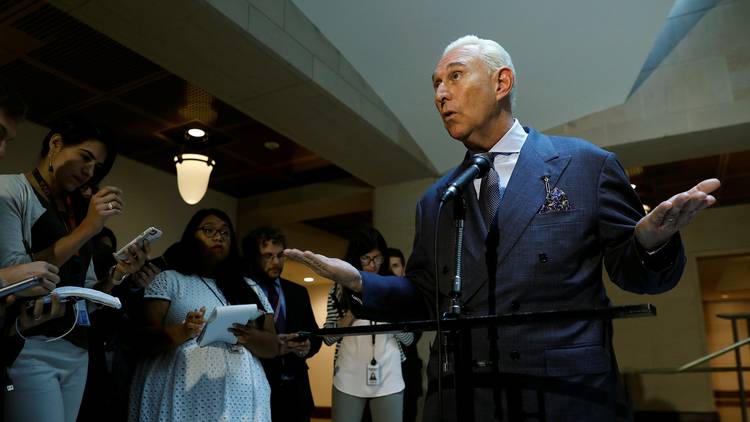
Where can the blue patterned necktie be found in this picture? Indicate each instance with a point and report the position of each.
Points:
(489, 193)
(275, 300)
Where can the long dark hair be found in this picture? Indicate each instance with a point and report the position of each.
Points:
(228, 273)
(360, 243)
(77, 130)
(363, 241)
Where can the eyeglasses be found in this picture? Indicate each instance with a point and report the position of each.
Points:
(210, 232)
(365, 260)
(269, 256)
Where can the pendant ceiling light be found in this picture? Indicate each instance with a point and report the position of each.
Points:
(193, 172)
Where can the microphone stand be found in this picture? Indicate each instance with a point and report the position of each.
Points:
(459, 215)
(457, 341)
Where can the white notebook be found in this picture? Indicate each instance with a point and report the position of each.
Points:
(91, 295)
(222, 318)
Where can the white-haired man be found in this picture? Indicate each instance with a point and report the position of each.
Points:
(539, 226)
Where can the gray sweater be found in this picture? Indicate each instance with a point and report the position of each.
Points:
(19, 210)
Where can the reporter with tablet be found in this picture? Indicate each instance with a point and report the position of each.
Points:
(227, 381)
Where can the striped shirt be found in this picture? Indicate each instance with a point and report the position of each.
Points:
(332, 321)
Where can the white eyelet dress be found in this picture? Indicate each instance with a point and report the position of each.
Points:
(193, 383)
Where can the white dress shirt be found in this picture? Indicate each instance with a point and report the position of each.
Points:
(511, 142)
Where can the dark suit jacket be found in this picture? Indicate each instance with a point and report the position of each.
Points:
(299, 317)
(533, 262)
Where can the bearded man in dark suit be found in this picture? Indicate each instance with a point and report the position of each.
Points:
(291, 396)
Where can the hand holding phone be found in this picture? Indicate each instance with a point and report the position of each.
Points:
(300, 336)
(15, 274)
(41, 310)
(151, 234)
(298, 343)
(20, 286)
(133, 257)
(143, 277)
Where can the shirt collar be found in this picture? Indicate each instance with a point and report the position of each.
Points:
(268, 283)
(513, 139)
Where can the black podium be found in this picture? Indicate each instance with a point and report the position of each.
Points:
(458, 331)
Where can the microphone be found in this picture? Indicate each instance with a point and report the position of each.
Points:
(480, 164)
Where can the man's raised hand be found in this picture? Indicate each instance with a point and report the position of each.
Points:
(337, 270)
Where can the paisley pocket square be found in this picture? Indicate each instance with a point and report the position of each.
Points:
(555, 200)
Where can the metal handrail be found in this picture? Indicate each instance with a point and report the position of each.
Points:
(690, 367)
(672, 371)
(714, 355)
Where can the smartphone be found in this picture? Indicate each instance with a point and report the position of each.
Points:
(150, 234)
(47, 306)
(302, 336)
(21, 285)
(47, 301)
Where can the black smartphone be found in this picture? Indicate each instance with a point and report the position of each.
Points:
(302, 336)
(21, 285)
(47, 307)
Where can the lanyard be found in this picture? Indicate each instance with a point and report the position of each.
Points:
(373, 361)
(68, 219)
(70, 224)
(43, 185)
(212, 291)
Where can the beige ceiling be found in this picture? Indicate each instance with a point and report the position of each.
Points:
(318, 71)
(572, 57)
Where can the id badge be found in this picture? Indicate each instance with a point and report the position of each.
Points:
(373, 373)
(83, 313)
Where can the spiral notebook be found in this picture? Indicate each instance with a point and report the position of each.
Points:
(222, 318)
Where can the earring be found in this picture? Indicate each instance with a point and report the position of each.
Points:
(49, 165)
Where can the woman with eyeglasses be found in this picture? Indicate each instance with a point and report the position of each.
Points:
(367, 369)
(220, 381)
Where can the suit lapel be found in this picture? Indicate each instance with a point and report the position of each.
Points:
(525, 192)
(523, 197)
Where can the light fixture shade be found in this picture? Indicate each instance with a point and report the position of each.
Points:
(193, 172)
